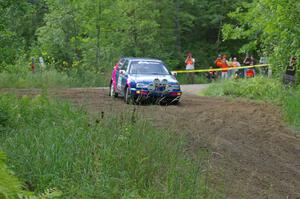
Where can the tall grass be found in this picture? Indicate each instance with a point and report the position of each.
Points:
(262, 88)
(50, 144)
(53, 79)
(198, 79)
(291, 107)
(12, 188)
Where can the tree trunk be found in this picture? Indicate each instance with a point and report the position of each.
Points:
(178, 28)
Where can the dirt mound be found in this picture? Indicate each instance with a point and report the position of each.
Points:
(254, 154)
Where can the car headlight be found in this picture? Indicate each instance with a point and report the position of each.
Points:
(169, 88)
(173, 87)
(141, 85)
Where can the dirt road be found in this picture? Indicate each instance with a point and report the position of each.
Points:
(254, 154)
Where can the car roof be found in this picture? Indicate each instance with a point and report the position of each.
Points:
(141, 59)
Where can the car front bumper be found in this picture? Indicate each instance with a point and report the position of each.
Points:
(156, 95)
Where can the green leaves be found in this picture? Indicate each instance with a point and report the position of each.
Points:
(93, 35)
(270, 27)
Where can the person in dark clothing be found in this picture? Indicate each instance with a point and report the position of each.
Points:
(211, 75)
(289, 78)
(32, 65)
(249, 61)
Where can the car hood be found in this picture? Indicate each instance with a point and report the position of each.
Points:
(150, 78)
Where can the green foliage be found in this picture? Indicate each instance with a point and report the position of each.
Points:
(53, 79)
(11, 187)
(260, 88)
(93, 35)
(49, 144)
(291, 106)
(270, 27)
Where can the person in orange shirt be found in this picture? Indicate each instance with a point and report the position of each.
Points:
(218, 64)
(224, 66)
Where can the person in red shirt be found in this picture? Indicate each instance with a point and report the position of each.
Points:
(249, 61)
(32, 65)
(250, 73)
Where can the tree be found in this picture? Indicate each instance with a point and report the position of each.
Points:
(270, 27)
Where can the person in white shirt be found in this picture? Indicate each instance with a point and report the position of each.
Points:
(190, 65)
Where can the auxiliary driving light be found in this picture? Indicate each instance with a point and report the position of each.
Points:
(156, 82)
(138, 92)
(164, 82)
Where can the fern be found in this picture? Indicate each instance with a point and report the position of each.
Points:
(11, 187)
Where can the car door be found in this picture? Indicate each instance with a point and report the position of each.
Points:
(122, 79)
(117, 72)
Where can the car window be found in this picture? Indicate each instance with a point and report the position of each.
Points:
(121, 63)
(125, 65)
(148, 67)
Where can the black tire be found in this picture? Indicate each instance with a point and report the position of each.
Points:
(112, 93)
(176, 103)
(127, 97)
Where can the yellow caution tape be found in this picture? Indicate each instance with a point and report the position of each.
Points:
(218, 69)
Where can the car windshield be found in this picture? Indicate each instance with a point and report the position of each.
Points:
(148, 67)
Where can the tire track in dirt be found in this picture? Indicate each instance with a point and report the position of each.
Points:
(254, 154)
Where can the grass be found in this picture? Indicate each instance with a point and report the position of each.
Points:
(11, 187)
(52, 79)
(262, 88)
(52, 144)
(198, 79)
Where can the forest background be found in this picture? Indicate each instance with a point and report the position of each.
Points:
(75, 37)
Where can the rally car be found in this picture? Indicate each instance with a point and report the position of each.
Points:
(142, 79)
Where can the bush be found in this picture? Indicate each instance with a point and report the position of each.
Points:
(49, 144)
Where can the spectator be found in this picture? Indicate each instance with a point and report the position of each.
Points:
(289, 77)
(229, 63)
(211, 75)
(236, 64)
(224, 67)
(263, 70)
(190, 65)
(252, 61)
(218, 64)
(42, 64)
(249, 61)
(32, 65)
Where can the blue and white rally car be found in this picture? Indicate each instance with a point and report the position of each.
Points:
(142, 79)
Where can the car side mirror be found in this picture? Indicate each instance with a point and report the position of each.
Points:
(122, 72)
(174, 73)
